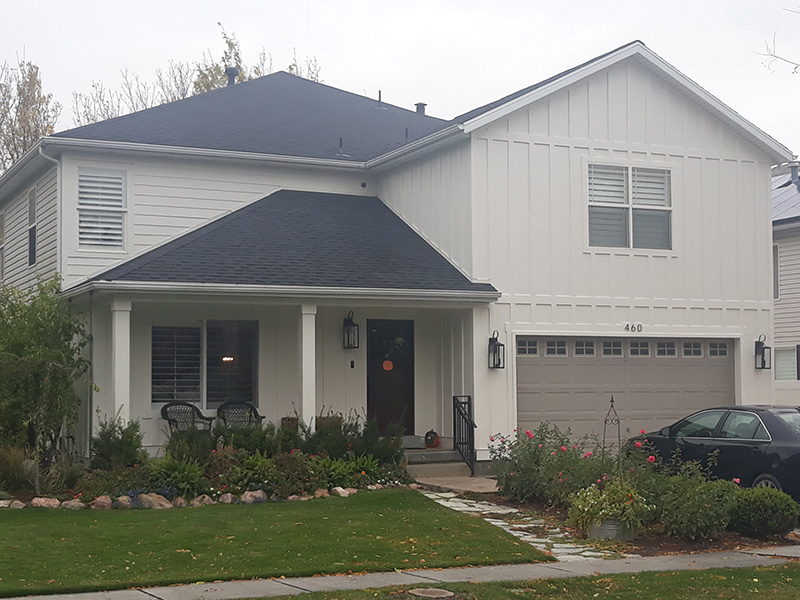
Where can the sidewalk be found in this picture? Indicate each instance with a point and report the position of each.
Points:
(430, 578)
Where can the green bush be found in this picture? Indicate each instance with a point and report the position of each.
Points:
(172, 477)
(761, 512)
(117, 445)
(16, 470)
(615, 500)
(192, 445)
(114, 483)
(695, 508)
(64, 474)
(255, 472)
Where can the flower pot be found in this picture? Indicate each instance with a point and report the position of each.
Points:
(432, 439)
(292, 423)
(611, 529)
(328, 423)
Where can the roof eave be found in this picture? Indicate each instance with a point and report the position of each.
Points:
(280, 291)
(429, 143)
(75, 143)
(777, 151)
(24, 162)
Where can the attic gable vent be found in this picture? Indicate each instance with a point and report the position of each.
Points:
(101, 210)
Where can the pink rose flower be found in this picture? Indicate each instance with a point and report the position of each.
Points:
(638, 444)
(651, 458)
(736, 480)
(563, 448)
(642, 432)
(529, 434)
(491, 438)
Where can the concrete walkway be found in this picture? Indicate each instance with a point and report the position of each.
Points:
(429, 578)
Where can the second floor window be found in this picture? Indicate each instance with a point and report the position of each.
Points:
(101, 210)
(630, 207)
(32, 200)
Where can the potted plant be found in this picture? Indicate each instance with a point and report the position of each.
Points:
(611, 510)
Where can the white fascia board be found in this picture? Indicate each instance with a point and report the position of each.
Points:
(777, 151)
(425, 144)
(201, 153)
(30, 156)
(269, 291)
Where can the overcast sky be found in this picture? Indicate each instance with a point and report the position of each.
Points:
(454, 55)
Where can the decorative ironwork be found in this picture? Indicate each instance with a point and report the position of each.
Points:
(464, 430)
(611, 420)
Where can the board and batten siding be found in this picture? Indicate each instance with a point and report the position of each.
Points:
(167, 198)
(530, 222)
(432, 195)
(17, 271)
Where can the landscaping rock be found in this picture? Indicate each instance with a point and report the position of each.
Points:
(227, 498)
(17, 504)
(351, 491)
(45, 503)
(5, 503)
(414, 486)
(321, 493)
(202, 500)
(124, 502)
(293, 498)
(340, 491)
(73, 504)
(101, 503)
(179, 502)
(155, 501)
(254, 497)
(378, 486)
(371, 488)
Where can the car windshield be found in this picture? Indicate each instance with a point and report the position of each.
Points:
(790, 417)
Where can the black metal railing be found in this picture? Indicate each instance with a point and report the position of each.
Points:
(464, 430)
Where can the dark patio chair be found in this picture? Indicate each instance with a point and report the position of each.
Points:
(184, 416)
(239, 414)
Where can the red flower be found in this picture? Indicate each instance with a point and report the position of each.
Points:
(736, 480)
(563, 448)
(651, 458)
(638, 444)
(491, 439)
(529, 434)
(642, 432)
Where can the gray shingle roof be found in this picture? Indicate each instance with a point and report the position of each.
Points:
(294, 238)
(277, 114)
(785, 199)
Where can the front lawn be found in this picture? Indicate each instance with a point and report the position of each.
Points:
(781, 582)
(57, 551)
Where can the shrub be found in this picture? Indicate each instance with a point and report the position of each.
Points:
(192, 445)
(117, 482)
(16, 470)
(761, 512)
(255, 472)
(173, 477)
(117, 444)
(614, 500)
(64, 473)
(697, 508)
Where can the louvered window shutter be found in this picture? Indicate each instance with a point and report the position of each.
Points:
(101, 210)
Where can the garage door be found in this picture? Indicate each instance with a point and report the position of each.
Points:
(569, 381)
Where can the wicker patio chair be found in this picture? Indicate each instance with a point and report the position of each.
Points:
(239, 414)
(183, 416)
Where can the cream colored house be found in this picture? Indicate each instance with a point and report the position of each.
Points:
(611, 224)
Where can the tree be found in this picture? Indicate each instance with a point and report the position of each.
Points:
(41, 358)
(26, 112)
(774, 56)
(178, 81)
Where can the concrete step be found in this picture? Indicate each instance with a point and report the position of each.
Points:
(430, 471)
(416, 457)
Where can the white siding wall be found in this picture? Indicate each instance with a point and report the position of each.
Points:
(17, 271)
(530, 224)
(787, 308)
(432, 195)
(168, 197)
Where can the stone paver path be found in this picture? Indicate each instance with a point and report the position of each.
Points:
(537, 532)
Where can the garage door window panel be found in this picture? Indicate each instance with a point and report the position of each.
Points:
(666, 349)
(718, 349)
(556, 348)
(584, 348)
(692, 349)
(639, 349)
(613, 349)
(527, 347)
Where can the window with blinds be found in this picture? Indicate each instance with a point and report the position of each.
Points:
(101, 210)
(630, 207)
(32, 201)
(176, 360)
(785, 360)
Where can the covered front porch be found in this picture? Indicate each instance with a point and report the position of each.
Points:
(287, 357)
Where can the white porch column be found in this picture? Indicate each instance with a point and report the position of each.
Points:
(121, 358)
(308, 363)
(481, 380)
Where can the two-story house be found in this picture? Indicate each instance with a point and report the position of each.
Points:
(609, 226)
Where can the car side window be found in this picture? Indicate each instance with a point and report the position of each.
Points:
(743, 426)
(699, 425)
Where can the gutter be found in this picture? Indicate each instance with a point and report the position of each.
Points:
(26, 158)
(427, 143)
(276, 291)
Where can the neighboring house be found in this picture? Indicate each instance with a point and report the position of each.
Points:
(611, 224)
(786, 282)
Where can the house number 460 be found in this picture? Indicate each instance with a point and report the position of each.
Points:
(633, 327)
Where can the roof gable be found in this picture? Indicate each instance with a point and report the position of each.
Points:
(302, 239)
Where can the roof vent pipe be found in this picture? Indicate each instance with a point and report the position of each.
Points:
(420, 108)
(793, 170)
(232, 73)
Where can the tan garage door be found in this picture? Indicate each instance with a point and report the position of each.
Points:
(569, 381)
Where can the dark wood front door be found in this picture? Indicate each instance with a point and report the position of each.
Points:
(390, 373)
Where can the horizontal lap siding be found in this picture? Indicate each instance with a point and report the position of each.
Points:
(17, 271)
(787, 307)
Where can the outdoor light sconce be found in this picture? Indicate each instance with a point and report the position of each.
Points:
(763, 353)
(497, 352)
(350, 332)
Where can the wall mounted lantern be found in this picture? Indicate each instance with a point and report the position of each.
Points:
(350, 332)
(763, 353)
(497, 352)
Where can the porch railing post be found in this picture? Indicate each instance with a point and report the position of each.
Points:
(464, 430)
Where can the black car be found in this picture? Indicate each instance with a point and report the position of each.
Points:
(758, 445)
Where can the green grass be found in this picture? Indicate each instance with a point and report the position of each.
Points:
(781, 582)
(45, 551)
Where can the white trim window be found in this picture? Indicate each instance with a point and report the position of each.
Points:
(2, 245)
(556, 348)
(32, 202)
(666, 349)
(584, 348)
(785, 360)
(527, 346)
(630, 207)
(612, 348)
(639, 348)
(101, 210)
(692, 349)
(718, 348)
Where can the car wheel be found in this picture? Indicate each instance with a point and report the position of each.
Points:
(767, 481)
